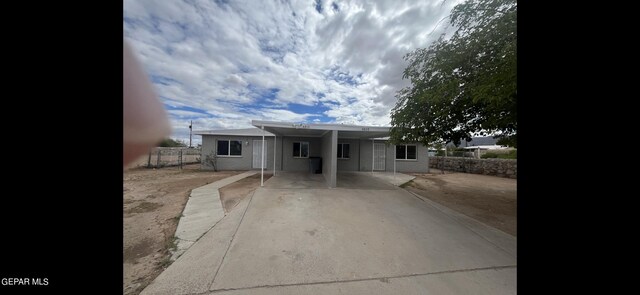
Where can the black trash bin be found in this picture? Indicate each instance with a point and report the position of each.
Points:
(315, 165)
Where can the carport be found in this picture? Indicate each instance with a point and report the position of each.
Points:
(328, 136)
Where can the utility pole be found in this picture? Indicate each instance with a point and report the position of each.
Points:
(190, 129)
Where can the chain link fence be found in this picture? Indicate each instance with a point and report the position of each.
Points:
(169, 156)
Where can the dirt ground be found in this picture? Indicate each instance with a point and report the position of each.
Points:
(488, 199)
(153, 202)
(232, 194)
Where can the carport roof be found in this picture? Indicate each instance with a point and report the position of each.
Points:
(318, 130)
(233, 132)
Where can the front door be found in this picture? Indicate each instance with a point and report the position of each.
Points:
(257, 154)
(378, 156)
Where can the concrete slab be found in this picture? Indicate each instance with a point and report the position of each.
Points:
(345, 179)
(362, 180)
(194, 271)
(300, 180)
(495, 236)
(483, 281)
(396, 179)
(202, 211)
(314, 236)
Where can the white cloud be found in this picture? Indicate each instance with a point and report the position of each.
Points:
(186, 114)
(227, 59)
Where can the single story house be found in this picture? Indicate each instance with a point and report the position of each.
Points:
(297, 147)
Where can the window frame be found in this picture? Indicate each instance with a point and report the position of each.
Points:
(342, 150)
(300, 152)
(229, 155)
(406, 152)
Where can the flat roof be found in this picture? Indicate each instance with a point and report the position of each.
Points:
(319, 130)
(234, 132)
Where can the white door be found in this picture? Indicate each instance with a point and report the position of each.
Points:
(257, 154)
(378, 156)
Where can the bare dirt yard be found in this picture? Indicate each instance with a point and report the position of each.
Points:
(232, 194)
(489, 199)
(153, 202)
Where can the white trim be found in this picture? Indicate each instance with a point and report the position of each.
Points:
(256, 145)
(406, 152)
(384, 156)
(343, 158)
(339, 127)
(229, 155)
(300, 135)
(231, 132)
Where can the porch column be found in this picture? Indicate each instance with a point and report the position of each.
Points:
(373, 157)
(275, 140)
(262, 160)
(395, 160)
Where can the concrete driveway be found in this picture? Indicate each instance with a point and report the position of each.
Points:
(364, 237)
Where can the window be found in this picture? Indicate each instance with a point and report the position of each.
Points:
(300, 149)
(343, 151)
(406, 152)
(229, 148)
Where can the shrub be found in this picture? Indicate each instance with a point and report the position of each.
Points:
(513, 154)
(489, 155)
(492, 155)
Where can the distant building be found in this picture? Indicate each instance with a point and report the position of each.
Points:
(477, 141)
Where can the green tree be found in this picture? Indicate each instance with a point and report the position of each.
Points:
(168, 142)
(463, 85)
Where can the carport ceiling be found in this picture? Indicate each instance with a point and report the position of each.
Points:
(319, 130)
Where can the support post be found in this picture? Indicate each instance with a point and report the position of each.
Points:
(262, 161)
(373, 153)
(158, 158)
(149, 160)
(395, 159)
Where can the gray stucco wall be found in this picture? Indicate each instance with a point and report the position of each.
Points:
(350, 164)
(245, 161)
(299, 164)
(421, 164)
(329, 156)
(360, 154)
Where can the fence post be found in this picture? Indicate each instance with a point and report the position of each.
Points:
(180, 158)
(149, 160)
(158, 158)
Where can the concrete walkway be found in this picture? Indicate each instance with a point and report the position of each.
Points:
(203, 210)
(284, 240)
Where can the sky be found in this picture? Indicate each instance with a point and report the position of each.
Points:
(224, 63)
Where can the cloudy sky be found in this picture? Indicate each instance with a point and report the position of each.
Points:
(223, 63)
